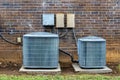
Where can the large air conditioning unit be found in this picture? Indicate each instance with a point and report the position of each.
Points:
(40, 50)
(92, 52)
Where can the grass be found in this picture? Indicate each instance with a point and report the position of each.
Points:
(58, 77)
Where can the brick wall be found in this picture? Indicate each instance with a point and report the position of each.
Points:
(93, 17)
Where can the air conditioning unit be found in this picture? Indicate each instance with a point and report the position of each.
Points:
(92, 52)
(40, 50)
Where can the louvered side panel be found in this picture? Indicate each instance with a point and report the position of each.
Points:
(95, 55)
(40, 52)
(81, 55)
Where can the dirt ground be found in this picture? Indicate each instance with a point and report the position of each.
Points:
(13, 69)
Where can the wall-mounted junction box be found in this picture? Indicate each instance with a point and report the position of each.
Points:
(19, 40)
(48, 20)
(60, 20)
(70, 20)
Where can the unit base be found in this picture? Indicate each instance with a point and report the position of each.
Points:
(41, 71)
(77, 68)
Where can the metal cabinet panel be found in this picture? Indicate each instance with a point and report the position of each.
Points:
(70, 20)
(60, 20)
(48, 20)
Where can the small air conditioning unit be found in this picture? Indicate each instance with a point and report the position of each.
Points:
(40, 50)
(92, 52)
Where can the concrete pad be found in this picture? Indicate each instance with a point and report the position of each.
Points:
(77, 68)
(41, 71)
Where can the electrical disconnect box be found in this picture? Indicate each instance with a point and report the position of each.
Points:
(60, 20)
(70, 20)
(48, 20)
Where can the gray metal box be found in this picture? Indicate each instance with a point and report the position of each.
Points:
(48, 20)
(92, 52)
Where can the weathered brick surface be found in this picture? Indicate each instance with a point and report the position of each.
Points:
(93, 17)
